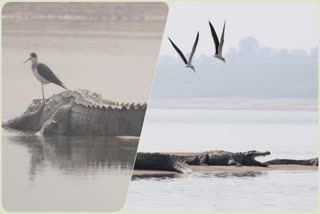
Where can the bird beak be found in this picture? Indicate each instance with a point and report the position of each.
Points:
(27, 60)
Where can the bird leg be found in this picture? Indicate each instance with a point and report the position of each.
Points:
(42, 91)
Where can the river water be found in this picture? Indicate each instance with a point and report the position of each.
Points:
(65, 173)
(287, 134)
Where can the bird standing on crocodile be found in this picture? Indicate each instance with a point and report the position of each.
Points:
(43, 73)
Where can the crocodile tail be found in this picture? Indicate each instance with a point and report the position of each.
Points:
(158, 161)
(180, 166)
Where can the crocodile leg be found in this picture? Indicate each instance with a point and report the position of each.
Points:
(58, 123)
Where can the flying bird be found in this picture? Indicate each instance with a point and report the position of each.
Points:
(187, 63)
(218, 44)
(43, 73)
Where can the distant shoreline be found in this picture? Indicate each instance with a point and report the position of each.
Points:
(237, 103)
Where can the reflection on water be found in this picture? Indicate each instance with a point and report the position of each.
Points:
(220, 174)
(225, 191)
(235, 174)
(77, 154)
(157, 177)
(40, 165)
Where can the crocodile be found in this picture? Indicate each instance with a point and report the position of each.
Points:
(80, 112)
(160, 161)
(308, 162)
(181, 163)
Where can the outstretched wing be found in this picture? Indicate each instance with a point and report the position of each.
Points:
(222, 39)
(215, 37)
(179, 51)
(194, 48)
(47, 74)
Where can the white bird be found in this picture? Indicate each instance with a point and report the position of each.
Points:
(43, 73)
(187, 63)
(218, 44)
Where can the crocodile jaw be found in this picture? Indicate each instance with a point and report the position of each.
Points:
(249, 158)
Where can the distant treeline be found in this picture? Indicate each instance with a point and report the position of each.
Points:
(115, 12)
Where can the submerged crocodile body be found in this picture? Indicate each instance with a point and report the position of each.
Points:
(180, 163)
(80, 112)
(308, 162)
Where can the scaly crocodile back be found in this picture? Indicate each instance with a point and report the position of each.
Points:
(89, 114)
(94, 115)
(90, 99)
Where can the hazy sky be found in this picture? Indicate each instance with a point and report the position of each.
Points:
(276, 25)
(114, 58)
(270, 51)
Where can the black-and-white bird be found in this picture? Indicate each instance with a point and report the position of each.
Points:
(187, 63)
(218, 45)
(43, 73)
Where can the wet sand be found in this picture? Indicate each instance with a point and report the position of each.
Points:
(219, 169)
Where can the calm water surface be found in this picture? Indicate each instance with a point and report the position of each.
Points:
(65, 173)
(287, 134)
